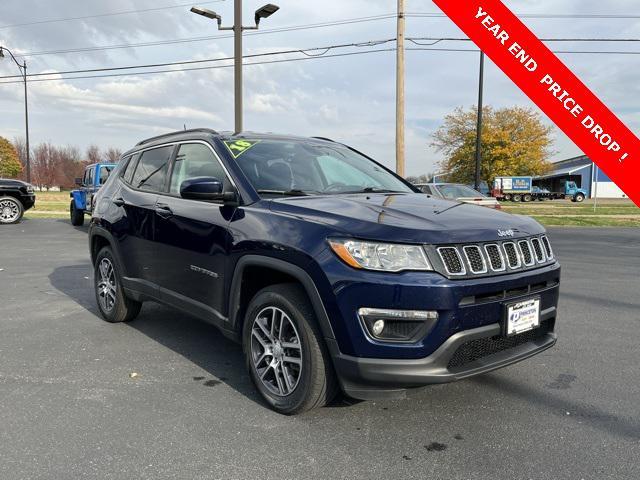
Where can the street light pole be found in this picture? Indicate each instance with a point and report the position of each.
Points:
(237, 60)
(479, 123)
(263, 12)
(23, 72)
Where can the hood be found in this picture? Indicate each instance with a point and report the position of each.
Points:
(13, 182)
(407, 218)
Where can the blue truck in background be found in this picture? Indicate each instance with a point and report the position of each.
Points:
(95, 175)
(522, 189)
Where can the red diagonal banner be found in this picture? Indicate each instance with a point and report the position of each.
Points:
(552, 86)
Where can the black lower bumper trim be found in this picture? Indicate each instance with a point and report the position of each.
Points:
(368, 378)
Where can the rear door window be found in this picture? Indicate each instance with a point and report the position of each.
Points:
(151, 172)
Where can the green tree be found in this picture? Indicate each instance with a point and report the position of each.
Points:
(10, 165)
(514, 142)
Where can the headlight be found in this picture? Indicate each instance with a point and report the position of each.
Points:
(386, 257)
(29, 188)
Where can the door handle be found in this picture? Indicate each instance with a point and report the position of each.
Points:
(118, 202)
(164, 210)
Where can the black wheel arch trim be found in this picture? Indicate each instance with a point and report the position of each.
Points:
(99, 231)
(285, 267)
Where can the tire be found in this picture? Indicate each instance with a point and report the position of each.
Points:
(517, 197)
(507, 197)
(307, 380)
(77, 216)
(11, 210)
(113, 304)
(579, 198)
(527, 198)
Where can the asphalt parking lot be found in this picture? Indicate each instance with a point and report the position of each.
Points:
(69, 409)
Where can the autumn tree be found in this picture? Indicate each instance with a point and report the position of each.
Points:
(514, 142)
(10, 165)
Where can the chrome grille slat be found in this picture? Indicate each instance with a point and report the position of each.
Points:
(452, 260)
(537, 249)
(513, 258)
(526, 253)
(547, 247)
(495, 257)
(475, 259)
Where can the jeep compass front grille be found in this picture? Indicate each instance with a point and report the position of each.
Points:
(493, 258)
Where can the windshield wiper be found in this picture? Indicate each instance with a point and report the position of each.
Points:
(374, 190)
(289, 193)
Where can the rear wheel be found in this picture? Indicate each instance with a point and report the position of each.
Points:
(285, 352)
(77, 215)
(507, 197)
(113, 303)
(527, 198)
(517, 197)
(11, 210)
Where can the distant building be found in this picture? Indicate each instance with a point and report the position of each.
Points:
(585, 173)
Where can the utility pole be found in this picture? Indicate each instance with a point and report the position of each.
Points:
(479, 124)
(26, 120)
(23, 72)
(263, 12)
(400, 150)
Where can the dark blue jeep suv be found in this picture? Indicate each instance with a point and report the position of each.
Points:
(332, 271)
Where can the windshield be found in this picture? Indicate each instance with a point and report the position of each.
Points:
(306, 168)
(458, 191)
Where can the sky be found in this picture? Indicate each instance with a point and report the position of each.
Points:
(349, 98)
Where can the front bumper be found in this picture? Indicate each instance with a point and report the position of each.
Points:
(28, 201)
(369, 378)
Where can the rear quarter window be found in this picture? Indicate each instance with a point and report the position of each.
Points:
(151, 171)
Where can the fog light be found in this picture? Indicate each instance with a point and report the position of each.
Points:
(377, 328)
(405, 326)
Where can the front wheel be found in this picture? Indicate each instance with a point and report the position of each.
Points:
(113, 304)
(579, 198)
(77, 215)
(11, 210)
(285, 352)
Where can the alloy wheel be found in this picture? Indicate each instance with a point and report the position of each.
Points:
(276, 351)
(106, 285)
(9, 211)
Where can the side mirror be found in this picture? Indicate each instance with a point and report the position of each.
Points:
(78, 181)
(207, 188)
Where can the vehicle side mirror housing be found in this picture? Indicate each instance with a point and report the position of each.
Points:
(208, 189)
(78, 181)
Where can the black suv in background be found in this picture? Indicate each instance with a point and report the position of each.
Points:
(16, 197)
(332, 271)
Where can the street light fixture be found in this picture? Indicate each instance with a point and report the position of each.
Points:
(23, 72)
(263, 12)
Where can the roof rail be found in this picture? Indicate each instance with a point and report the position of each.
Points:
(325, 138)
(192, 130)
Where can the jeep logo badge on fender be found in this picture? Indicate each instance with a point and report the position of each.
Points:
(505, 233)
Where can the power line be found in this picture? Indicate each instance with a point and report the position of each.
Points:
(304, 51)
(324, 54)
(324, 50)
(100, 15)
(291, 28)
(265, 62)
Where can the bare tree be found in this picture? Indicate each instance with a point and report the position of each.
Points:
(113, 154)
(92, 155)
